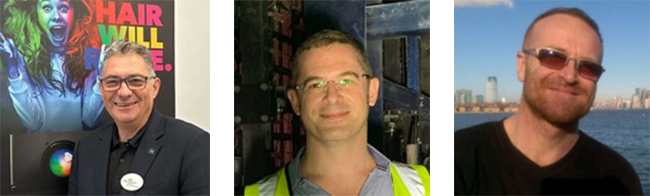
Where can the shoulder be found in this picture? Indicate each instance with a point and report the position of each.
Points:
(179, 129)
(605, 162)
(477, 132)
(477, 135)
(265, 186)
(477, 150)
(415, 178)
(605, 156)
(270, 179)
(411, 170)
(97, 134)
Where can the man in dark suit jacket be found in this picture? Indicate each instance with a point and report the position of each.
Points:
(143, 152)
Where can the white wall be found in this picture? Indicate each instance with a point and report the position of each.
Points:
(192, 66)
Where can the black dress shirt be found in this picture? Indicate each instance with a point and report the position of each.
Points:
(120, 159)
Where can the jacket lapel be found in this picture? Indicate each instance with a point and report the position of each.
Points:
(100, 164)
(149, 148)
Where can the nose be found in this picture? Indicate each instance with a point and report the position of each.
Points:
(331, 92)
(124, 91)
(570, 72)
(57, 15)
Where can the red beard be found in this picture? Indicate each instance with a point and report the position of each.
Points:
(557, 101)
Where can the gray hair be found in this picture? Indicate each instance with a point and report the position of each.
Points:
(121, 47)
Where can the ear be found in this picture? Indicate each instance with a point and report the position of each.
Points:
(373, 91)
(292, 94)
(156, 87)
(521, 66)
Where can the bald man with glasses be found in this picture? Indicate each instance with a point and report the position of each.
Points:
(540, 149)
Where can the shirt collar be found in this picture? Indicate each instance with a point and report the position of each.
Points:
(383, 164)
(134, 141)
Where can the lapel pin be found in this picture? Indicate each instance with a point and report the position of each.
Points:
(151, 151)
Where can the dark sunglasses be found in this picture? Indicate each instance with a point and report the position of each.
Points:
(558, 60)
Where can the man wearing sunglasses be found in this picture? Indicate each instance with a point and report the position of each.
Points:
(540, 149)
(333, 92)
(144, 152)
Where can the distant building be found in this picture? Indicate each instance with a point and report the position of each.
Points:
(647, 103)
(616, 104)
(464, 96)
(478, 99)
(492, 95)
(627, 104)
(492, 109)
(636, 102)
(462, 99)
(643, 96)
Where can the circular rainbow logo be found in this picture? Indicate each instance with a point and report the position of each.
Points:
(60, 163)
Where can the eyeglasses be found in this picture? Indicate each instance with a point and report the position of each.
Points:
(113, 83)
(345, 80)
(558, 60)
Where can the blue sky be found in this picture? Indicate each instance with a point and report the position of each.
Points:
(488, 36)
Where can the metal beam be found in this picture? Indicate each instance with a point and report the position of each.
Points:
(254, 41)
(347, 16)
(403, 18)
(399, 97)
(413, 62)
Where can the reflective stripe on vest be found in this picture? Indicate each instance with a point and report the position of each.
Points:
(413, 180)
(269, 185)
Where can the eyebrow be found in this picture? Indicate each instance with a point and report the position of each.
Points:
(347, 73)
(555, 47)
(132, 75)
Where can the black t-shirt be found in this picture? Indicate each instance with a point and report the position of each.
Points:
(486, 162)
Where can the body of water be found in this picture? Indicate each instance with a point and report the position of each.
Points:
(625, 131)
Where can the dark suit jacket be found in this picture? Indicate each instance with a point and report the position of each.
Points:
(180, 164)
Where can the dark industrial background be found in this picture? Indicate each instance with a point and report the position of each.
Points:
(396, 37)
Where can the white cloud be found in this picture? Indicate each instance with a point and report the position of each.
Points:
(484, 3)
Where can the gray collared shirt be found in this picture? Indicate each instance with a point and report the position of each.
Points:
(378, 182)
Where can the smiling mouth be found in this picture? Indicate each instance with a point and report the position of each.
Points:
(58, 32)
(124, 105)
(565, 91)
(334, 115)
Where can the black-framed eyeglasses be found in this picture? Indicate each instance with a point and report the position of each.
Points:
(113, 83)
(557, 60)
(345, 80)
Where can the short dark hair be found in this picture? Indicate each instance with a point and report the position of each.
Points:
(575, 12)
(325, 38)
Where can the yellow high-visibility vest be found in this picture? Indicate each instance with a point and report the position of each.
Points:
(407, 180)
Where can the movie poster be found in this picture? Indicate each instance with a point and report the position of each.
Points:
(49, 90)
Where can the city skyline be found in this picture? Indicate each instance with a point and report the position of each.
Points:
(470, 96)
(487, 38)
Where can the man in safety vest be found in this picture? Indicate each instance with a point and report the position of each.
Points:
(333, 91)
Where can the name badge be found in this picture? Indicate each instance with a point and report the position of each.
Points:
(132, 182)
